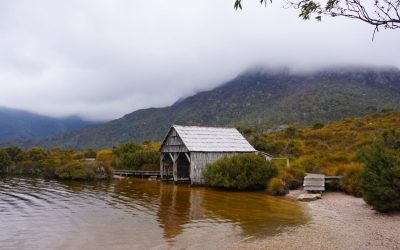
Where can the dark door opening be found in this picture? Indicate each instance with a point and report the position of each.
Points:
(183, 167)
(167, 168)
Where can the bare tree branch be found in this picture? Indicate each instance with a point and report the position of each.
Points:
(378, 13)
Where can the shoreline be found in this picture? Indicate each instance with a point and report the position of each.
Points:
(338, 221)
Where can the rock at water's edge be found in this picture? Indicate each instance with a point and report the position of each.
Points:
(309, 197)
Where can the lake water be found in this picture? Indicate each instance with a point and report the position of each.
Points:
(135, 214)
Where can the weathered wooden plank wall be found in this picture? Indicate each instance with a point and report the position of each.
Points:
(173, 143)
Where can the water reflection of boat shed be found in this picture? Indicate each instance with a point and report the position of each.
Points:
(186, 150)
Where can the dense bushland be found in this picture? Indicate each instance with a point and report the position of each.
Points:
(80, 170)
(242, 171)
(331, 149)
(87, 165)
(54, 163)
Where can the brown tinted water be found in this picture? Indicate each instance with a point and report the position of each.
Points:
(135, 214)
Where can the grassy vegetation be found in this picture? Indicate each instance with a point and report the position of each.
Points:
(332, 149)
(86, 165)
(277, 186)
(54, 163)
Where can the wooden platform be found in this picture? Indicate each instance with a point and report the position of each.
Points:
(137, 173)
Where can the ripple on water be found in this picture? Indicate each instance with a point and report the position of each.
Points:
(41, 214)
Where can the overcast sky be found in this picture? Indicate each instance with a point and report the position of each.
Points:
(101, 59)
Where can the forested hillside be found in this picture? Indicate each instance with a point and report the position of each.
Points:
(257, 99)
(22, 125)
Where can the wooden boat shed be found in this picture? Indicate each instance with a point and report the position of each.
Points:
(186, 151)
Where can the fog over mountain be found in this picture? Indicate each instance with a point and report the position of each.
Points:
(260, 100)
(22, 125)
(103, 59)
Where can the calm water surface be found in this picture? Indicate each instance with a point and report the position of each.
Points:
(135, 214)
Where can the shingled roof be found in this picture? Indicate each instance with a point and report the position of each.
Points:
(213, 139)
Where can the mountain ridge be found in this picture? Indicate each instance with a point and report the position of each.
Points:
(256, 99)
(18, 124)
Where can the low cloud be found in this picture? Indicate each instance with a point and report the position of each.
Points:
(103, 59)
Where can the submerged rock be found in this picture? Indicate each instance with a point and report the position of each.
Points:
(152, 178)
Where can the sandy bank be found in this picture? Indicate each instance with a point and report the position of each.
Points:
(338, 221)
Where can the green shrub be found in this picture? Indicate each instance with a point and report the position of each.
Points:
(103, 170)
(318, 125)
(293, 177)
(75, 170)
(277, 186)
(106, 156)
(49, 167)
(291, 132)
(78, 156)
(15, 153)
(55, 163)
(242, 171)
(5, 161)
(136, 156)
(80, 170)
(260, 143)
(308, 163)
(34, 154)
(62, 155)
(294, 148)
(28, 167)
(90, 153)
(126, 148)
(338, 157)
(138, 159)
(391, 139)
(351, 180)
(381, 178)
(276, 147)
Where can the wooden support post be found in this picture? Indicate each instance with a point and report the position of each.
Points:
(190, 165)
(162, 166)
(175, 166)
(187, 156)
(172, 157)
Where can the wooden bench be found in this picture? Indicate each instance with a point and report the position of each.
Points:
(314, 182)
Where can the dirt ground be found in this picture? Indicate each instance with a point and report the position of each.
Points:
(339, 221)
